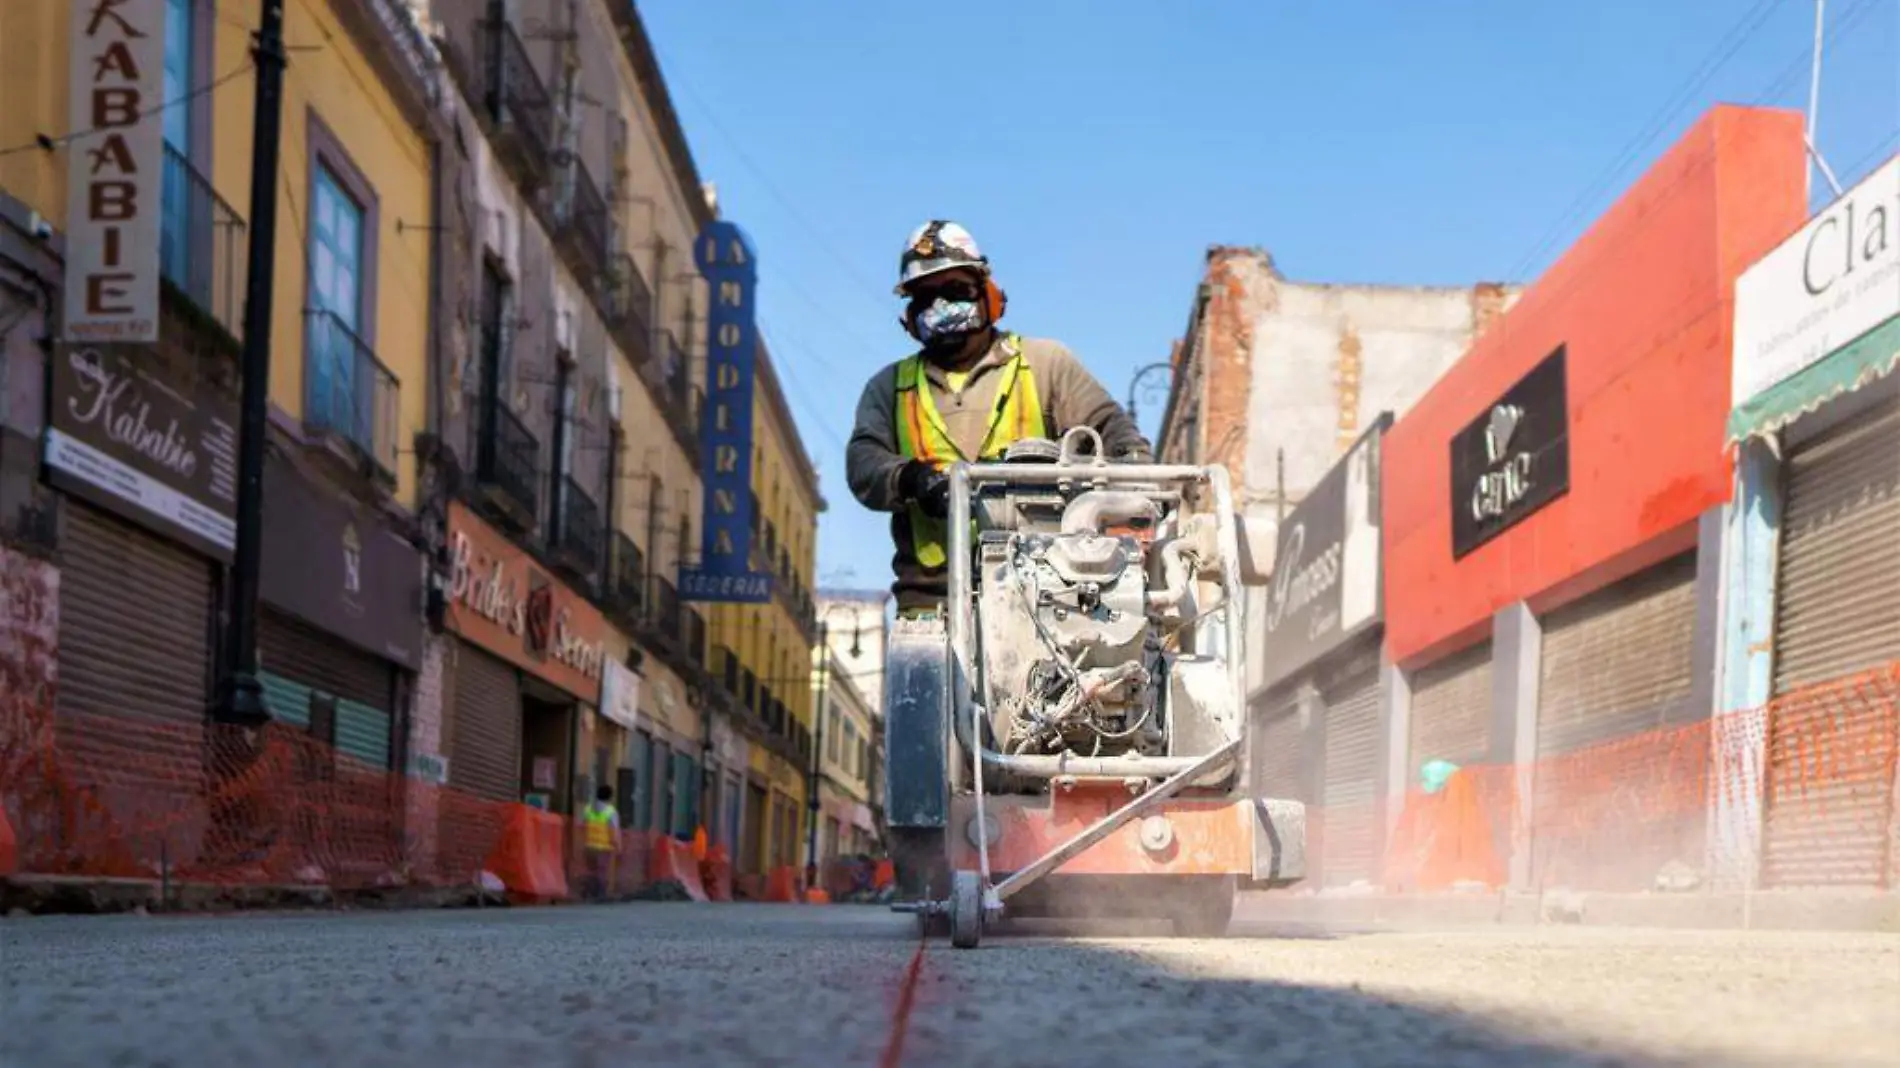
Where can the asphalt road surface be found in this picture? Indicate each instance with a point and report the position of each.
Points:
(653, 984)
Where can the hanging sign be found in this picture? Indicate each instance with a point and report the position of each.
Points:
(725, 574)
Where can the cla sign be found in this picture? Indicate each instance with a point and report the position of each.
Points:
(1509, 481)
(115, 169)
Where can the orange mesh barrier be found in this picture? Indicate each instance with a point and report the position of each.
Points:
(1800, 792)
(9, 847)
(715, 872)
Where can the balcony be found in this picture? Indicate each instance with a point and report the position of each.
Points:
(202, 248)
(348, 393)
(629, 303)
(518, 108)
(579, 536)
(627, 579)
(585, 229)
(506, 458)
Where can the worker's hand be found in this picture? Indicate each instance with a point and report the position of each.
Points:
(926, 487)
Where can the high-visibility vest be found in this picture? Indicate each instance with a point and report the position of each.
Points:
(921, 435)
(598, 821)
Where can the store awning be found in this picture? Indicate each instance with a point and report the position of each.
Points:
(1853, 366)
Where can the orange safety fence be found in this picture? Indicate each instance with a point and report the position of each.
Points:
(1799, 792)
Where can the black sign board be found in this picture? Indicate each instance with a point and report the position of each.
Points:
(1513, 459)
(1326, 586)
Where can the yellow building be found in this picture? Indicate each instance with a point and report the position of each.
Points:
(763, 652)
(136, 121)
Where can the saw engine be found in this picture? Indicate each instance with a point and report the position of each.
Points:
(1079, 626)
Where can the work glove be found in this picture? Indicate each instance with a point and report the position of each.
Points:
(926, 487)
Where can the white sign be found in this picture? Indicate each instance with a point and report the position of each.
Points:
(620, 694)
(1836, 279)
(115, 169)
(80, 460)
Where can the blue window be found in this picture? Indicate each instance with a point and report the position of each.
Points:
(175, 225)
(336, 302)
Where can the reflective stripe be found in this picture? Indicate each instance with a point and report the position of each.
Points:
(922, 435)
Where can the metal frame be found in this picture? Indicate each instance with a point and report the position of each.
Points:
(966, 713)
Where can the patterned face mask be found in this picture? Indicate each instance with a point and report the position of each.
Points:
(947, 320)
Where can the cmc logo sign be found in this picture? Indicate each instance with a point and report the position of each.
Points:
(725, 574)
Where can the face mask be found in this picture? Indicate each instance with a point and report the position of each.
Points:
(947, 320)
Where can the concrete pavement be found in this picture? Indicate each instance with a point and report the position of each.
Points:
(796, 986)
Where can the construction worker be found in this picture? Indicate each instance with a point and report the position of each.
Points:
(968, 393)
(601, 825)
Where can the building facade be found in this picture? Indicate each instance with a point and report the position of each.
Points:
(1810, 684)
(487, 380)
(1276, 378)
(855, 629)
(1552, 516)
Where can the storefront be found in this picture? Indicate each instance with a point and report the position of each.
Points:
(666, 755)
(143, 448)
(732, 756)
(528, 667)
(611, 742)
(339, 633)
(1320, 727)
(1817, 423)
(1553, 521)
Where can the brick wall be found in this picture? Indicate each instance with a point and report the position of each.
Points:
(425, 739)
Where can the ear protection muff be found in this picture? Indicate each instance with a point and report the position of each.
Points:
(995, 300)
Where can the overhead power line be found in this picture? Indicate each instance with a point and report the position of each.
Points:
(48, 144)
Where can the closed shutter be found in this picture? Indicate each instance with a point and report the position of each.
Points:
(1277, 744)
(134, 621)
(361, 684)
(135, 665)
(1838, 592)
(1620, 661)
(1831, 758)
(1451, 710)
(486, 755)
(1349, 801)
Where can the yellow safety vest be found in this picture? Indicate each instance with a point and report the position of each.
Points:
(921, 434)
(599, 828)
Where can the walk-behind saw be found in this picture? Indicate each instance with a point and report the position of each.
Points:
(1070, 737)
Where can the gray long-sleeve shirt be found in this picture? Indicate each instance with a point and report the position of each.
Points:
(1070, 397)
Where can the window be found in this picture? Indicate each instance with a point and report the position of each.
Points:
(336, 305)
(174, 224)
(564, 443)
(496, 311)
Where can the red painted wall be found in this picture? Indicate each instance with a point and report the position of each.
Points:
(1644, 303)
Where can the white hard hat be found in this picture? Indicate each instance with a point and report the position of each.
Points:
(936, 246)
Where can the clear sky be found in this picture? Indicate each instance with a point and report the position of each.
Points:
(1096, 149)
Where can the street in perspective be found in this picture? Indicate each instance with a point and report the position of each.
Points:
(592, 532)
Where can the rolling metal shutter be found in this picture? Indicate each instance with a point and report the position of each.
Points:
(135, 622)
(1619, 661)
(363, 684)
(1277, 747)
(485, 758)
(1349, 850)
(1451, 711)
(1831, 759)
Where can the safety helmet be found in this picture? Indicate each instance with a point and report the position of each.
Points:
(936, 246)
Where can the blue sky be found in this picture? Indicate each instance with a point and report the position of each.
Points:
(1096, 149)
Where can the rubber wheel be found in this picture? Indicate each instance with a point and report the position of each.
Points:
(966, 909)
(1205, 910)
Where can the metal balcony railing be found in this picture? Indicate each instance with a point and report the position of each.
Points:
(202, 246)
(586, 227)
(580, 534)
(629, 303)
(516, 100)
(627, 577)
(506, 455)
(347, 390)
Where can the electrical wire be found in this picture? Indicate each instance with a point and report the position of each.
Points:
(48, 144)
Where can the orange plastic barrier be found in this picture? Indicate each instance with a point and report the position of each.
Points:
(672, 862)
(530, 859)
(817, 896)
(716, 873)
(781, 885)
(885, 875)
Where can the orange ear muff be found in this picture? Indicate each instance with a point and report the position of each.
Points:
(995, 299)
